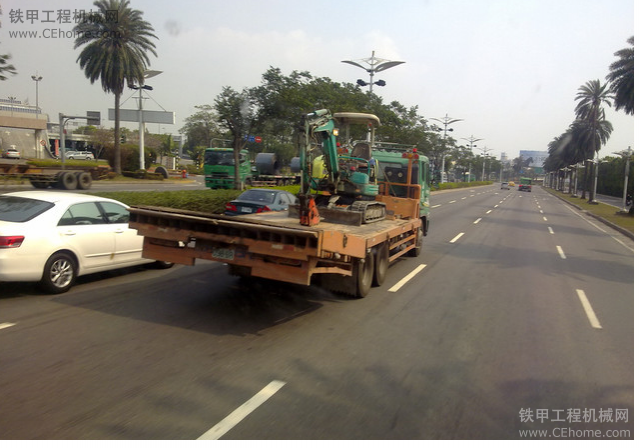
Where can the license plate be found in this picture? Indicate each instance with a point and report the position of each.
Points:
(223, 253)
(246, 209)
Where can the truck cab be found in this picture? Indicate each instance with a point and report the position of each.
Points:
(219, 170)
(393, 173)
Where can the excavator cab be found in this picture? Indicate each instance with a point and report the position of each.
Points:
(344, 177)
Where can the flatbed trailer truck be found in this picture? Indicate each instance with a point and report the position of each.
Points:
(70, 177)
(345, 258)
(341, 248)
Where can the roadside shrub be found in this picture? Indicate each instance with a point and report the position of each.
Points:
(205, 201)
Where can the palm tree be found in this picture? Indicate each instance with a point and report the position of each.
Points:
(117, 40)
(5, 66)
(591, 127)
(621, 78)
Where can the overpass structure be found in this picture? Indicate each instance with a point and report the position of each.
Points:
(24, 127)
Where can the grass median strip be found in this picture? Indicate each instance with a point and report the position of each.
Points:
(604, 211)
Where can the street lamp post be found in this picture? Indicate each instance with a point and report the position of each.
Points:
(484, 150)
(446, 121)
(627, 153)
(37, 79)
(140, 88)
(596, 163)
(376, 65)
(471, 145)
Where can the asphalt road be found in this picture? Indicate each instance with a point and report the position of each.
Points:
(519, 318)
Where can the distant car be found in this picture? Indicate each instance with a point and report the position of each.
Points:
(258, 200)
(504, 186)
(11, 153)
(512, 184)
(79, 155)
(53, 237)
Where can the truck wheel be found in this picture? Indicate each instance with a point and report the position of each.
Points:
(363, 276)
(418, 248)
(59, 273)
(381, 263)
(67, 181)
(84, 180)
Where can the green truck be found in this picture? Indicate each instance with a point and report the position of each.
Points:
(525, 184)
(219, 170)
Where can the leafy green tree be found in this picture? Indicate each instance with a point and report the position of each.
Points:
(202, 128)
(236, 113)
(621, 78)
(116, 41)
(591, 128)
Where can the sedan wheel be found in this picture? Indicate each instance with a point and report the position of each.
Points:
(59, 273)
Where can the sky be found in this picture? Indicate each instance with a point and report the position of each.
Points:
(509, 69)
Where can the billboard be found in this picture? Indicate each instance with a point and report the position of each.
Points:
(148, 116)
(533, 159)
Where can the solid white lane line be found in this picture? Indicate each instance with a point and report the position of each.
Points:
(561, 252)
(477, 220)
(457, 237)
(239, 414)
(6, 325)
(401, 283)
(591, 315)
(551, 231)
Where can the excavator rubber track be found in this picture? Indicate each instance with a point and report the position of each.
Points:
(371, 211)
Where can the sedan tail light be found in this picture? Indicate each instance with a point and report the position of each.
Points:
(10, 241)
(263, 209)
(231, 207)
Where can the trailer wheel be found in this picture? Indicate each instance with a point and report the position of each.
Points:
(381, 263)
(84, 180)
(67, 180)
(363, 276)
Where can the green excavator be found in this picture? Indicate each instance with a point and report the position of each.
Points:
(342, 176)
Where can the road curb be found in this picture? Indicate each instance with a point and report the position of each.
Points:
(599, 218)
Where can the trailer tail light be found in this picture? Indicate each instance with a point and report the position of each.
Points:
(10, 241)
(231, 207)
(263, 209)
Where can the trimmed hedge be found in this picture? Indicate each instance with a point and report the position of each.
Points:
(213, 201)
(206, 201)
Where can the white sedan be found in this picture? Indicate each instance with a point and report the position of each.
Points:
(53, 237)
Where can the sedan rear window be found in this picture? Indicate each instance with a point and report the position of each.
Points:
(16, 209)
